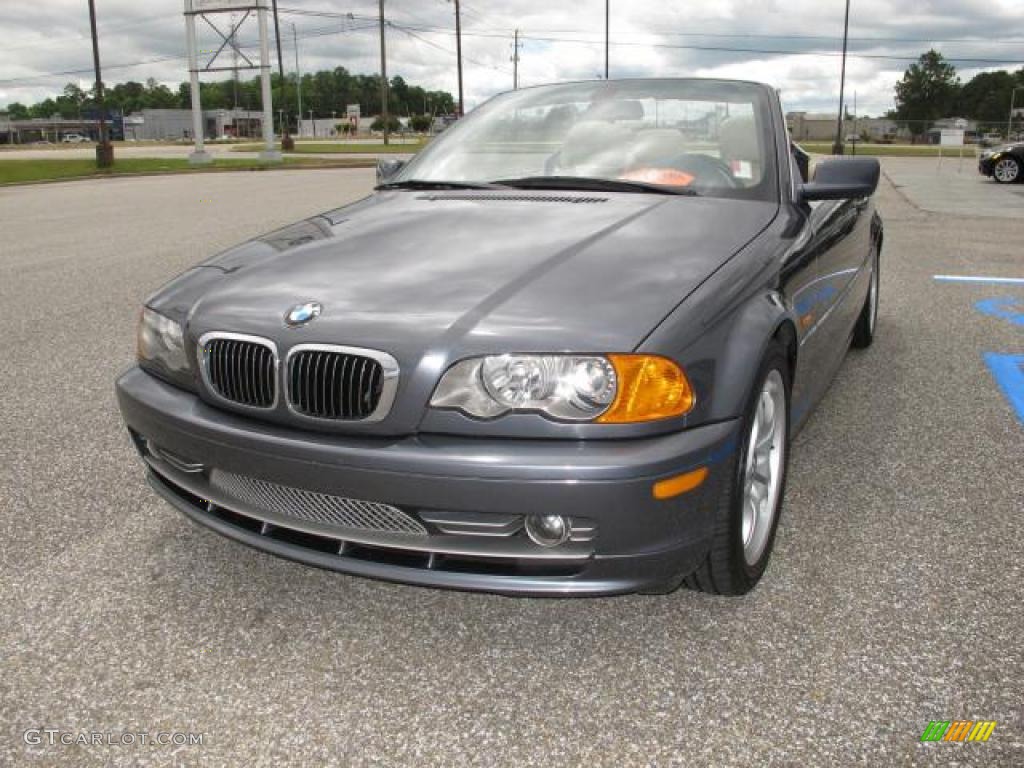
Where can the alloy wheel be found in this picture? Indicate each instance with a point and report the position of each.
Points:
(762, 480)
(1007, 170)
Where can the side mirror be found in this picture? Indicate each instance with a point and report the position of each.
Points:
(843, 178)
(387, 168)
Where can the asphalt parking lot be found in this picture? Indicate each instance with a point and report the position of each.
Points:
(953, 185)
(893, 598)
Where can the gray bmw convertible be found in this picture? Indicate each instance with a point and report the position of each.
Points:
(563, 351)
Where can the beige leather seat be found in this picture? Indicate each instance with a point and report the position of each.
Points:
(595, 148)
(738, 144)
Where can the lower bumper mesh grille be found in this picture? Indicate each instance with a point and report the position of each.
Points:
(316, 507)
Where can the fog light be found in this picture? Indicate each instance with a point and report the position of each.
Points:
(547, 530)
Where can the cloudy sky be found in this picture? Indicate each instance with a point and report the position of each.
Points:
(793, 44)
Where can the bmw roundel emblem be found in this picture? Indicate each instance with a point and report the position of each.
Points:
(301, 314)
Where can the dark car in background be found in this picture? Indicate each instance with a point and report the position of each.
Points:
(1004, 164)
(564, 350)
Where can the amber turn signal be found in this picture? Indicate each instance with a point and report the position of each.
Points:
(649, 388)
(680, 484)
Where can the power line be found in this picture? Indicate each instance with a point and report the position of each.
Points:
(369, 22)
(762, 36)
(81, 36)
(718, 48)
(449, 51)
(320, 32)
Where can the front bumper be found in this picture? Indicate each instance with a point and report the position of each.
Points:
(623, 539)
(986, 166)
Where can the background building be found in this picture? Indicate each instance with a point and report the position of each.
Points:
(807, 126)
(172, 124)
(54, 129)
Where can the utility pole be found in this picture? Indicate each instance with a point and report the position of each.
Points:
(837, 148)
(607, 33)
(515, 63)
(458, 55)
(104, 150)
(298, 77)
(384, 77)
(287, 143)
(856, 123)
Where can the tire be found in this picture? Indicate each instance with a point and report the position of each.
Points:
(864, 330)
(735, 564)
(1007, 170)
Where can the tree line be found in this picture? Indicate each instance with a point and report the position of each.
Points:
(325, 92)
(931, 89)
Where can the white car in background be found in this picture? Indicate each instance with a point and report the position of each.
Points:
(74, 138)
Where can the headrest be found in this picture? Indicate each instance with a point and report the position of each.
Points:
(616, 110)
(737, 138)
(595, 143)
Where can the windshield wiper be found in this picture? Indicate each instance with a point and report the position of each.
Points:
(592, 184)
(425, 184)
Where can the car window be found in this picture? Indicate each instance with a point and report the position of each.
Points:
(712, 137)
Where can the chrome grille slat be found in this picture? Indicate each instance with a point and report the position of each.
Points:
(246, 366)
(333, 392)
(334, 385)
(343, 409)
(236, 370)
(240, 370)
(315, 507)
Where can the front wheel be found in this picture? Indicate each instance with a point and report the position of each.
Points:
(748, 510)
(1007, 170)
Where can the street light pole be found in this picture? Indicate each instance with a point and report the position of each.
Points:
(298, 76)
(515, 62)
(607, 33)
(855, 123)
(384, 77)
(458, 55)
(104, 150)
(837, 148)
(1013, 102)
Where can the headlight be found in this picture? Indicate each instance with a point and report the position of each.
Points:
(161, 347)
(612, 389)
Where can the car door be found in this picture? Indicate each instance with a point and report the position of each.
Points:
(844, 273)
(836, 241)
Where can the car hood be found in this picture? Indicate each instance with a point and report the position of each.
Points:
(433, 277)
(472, 272)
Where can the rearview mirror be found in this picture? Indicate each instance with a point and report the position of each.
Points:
(387, 168)
(842, 178)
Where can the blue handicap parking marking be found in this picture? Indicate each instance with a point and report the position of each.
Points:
(1008, 371)
(1008, 308)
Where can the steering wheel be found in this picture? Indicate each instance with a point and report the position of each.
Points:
(705, 167)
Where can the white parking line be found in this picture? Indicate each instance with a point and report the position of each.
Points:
(970, 279)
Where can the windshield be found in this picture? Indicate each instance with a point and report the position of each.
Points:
(704, 137)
